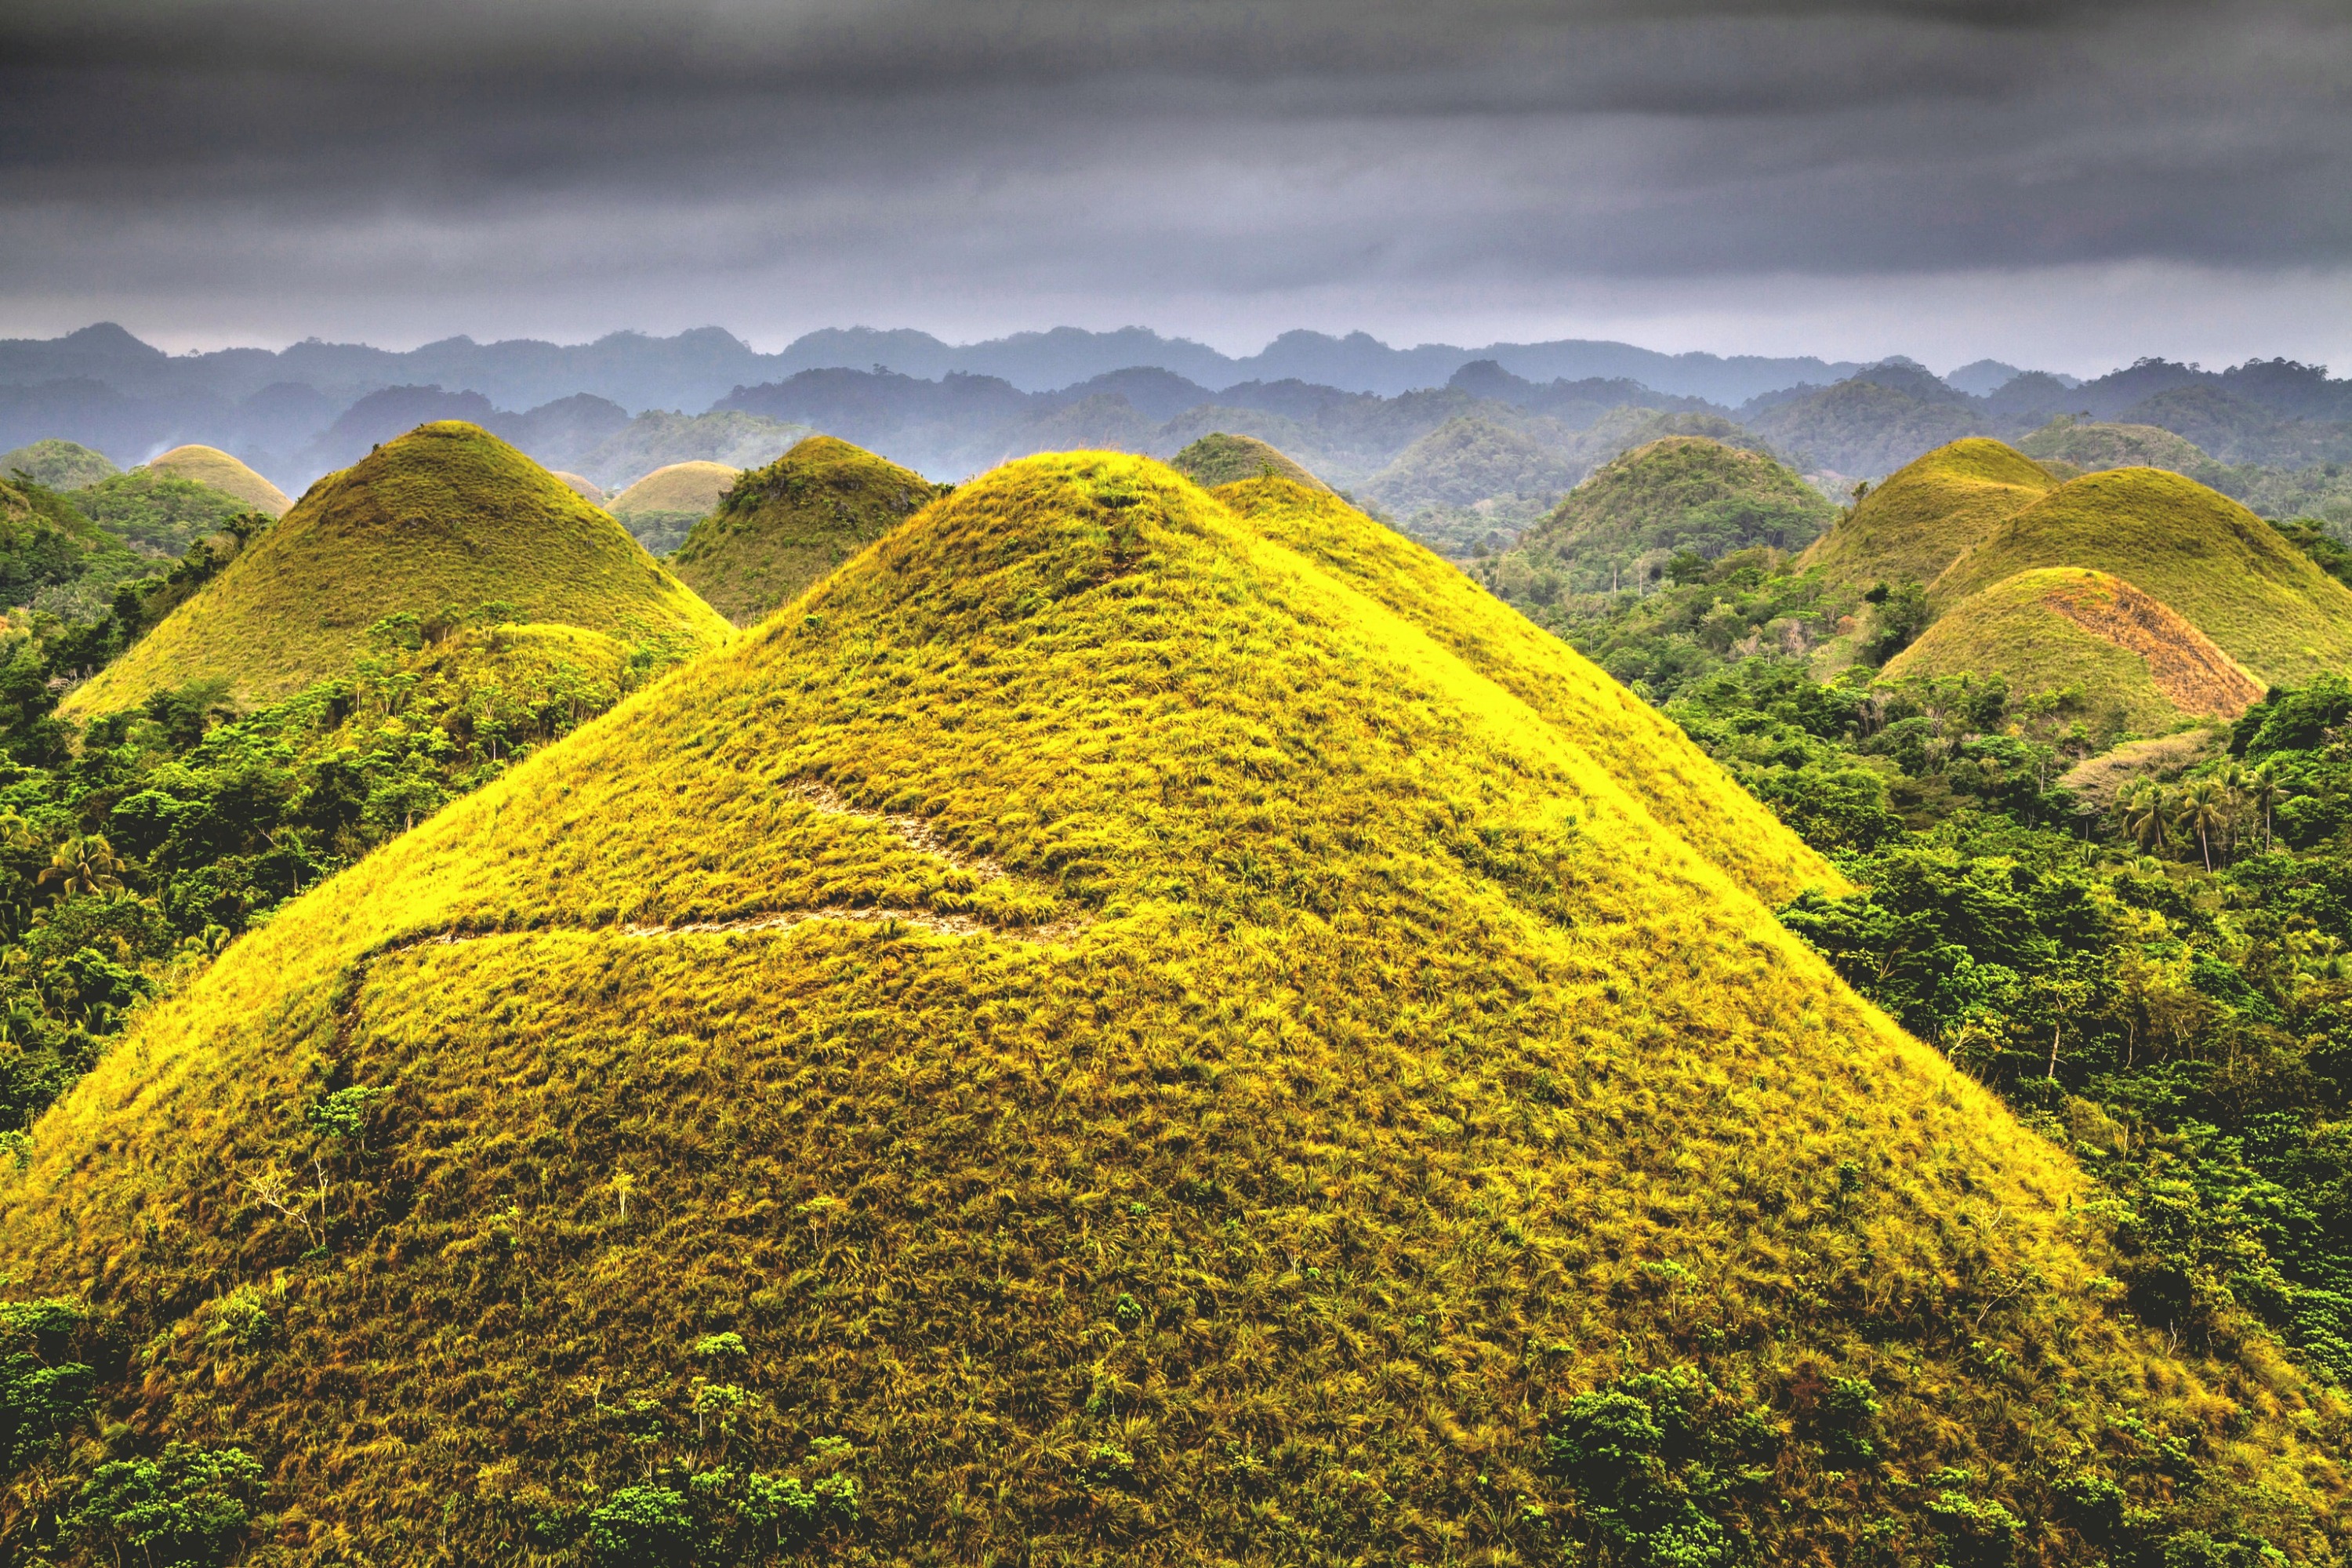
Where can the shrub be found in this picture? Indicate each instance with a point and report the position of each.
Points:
(642, 1527)
(189, 1508)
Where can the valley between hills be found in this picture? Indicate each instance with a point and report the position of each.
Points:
(1595, 993)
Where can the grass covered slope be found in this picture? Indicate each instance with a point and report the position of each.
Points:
(2227, 570)
(1684, 492)
(212, 466)
(2090, 447)
(1928, 514)
(778, 529)
(1679, 784)
(1195, 1073)
(2132, 657)
(1218, 458)
(661, 508)
(447, 518)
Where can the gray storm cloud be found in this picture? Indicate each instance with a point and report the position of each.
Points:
(224, 156)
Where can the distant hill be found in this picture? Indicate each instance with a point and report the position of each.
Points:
(776, 529)
(2124, 656)
(447, 520)
(1872, 424)
(159, 511)
(1928, 514)
(1471, 475)
(1680, 493)
(659, 439)
(1120, 1010)
(660, 508)
(2227, 570)
(58, 465)
(211, 467)
(1218, 458)
(586, 488)
(2090, 447)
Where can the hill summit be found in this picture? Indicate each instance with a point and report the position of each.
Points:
(212, 466)
(1618, 527)
(779, 529)
(447, 520)
(1218, 458)
(1929, 513)
(1107, 1038)
(659, 507)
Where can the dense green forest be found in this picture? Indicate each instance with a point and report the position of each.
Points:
(2146, 953)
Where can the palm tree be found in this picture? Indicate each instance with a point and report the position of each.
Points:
(2205, 810)
(2264, 790)
(86, 864)
(2145, 811)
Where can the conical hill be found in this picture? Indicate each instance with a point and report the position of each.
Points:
(779, 529)
(1928, 514)
(211, 466)
(1100, 1041)
(2124, 654)
(2229, 573)
(1684, 492)
(1218, 458)
(446, 518)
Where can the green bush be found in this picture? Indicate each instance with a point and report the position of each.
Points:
(189, 1508)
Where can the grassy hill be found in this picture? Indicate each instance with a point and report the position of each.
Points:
(440, 522)
(2127, 657)
(2092, 447)
(2227, 570)
(779, 529)
(1928, 514)
(58, 465)
(159, 511)
(211, 467)
(1684, 492)
(586, 488)
(1101, 1041)
(1218, 458)
(658, 438)
(662, 507)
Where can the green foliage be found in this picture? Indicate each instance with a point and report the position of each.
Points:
(157, 512)
(779, 529)
(53, 559)
(1898, 614)
(192, 1506)
(46, 1391)
(1683, 494)
(57, 465)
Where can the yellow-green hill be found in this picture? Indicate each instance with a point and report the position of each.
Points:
(586, 488)
(779, 529)
(1098, 1041)
(2090, 447)
(1678, 784)
(1928, 514)
(1218, 458)
(2128, 658)
(212, 466)
(662, 506)
(447, 518)
(2262, 600)
(1684, 492)
(58, 465)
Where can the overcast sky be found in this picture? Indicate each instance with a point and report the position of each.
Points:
(2068, 182)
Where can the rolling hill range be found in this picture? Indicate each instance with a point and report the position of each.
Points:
(2132, 659)
(1928, 514)
(779, 529)
(446, 520)
(211, 467)
(2226, 571)
(1681, 493)
(1104, 1040)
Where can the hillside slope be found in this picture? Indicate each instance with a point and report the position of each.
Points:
(2264, 601)
(1098, 1043)
(1647, 755)
(212, 466)
(445, 519)
(1684, 492)
(779, 529)
(1928, 514)
(2131, 658)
